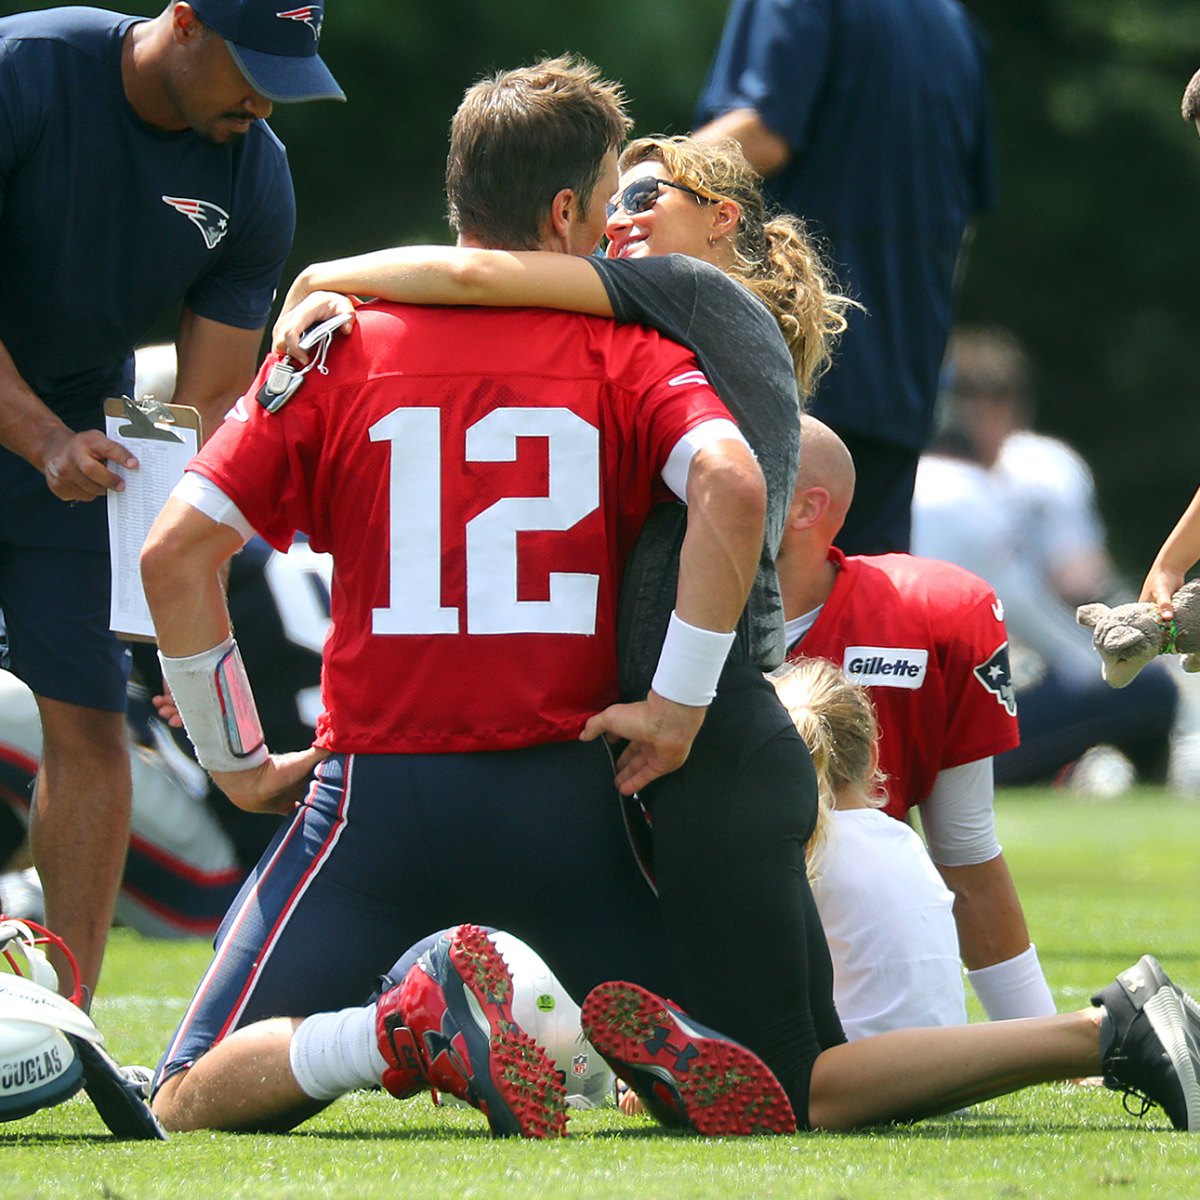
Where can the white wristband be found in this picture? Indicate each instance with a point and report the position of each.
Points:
(1013, 988)
(690, 663)
(214, 699)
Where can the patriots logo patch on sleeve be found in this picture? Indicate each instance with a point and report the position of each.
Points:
(209, 218)
(997, 678)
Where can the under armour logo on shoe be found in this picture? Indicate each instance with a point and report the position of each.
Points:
(1133, 982)
(683, 1054)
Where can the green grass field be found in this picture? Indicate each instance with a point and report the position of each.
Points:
(1102, 882)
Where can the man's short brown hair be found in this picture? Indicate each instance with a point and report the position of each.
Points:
(520, 137)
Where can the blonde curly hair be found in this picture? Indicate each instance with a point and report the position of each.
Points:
(774, 255)
(836, 719)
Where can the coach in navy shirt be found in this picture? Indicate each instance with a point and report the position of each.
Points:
(871, 120)
(136, 173)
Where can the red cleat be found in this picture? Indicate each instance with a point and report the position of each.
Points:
(687, 1076)
(457, 1002)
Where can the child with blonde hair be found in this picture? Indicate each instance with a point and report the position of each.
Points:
(887, 914)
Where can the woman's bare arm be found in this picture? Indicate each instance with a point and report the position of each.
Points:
(441, 275)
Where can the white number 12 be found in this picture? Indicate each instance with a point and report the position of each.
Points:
(414, 513)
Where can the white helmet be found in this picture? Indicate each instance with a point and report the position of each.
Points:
(39, 1064)
(542, 1007)
(49, 1047)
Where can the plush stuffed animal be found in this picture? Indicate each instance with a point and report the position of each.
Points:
(1129, 636)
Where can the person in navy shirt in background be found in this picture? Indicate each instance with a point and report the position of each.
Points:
(872, 122)
(136, 172)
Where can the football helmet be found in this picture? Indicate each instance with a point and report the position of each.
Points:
(543, 1009)
(39, 1065)
(50, 1047)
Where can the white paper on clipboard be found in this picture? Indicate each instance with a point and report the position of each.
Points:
(163, 438)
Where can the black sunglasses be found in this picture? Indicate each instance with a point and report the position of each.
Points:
(642, 195)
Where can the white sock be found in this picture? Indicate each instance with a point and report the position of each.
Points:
(1013, 988)
(334, 1053)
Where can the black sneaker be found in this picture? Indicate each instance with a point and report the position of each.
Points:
(1150, 1043)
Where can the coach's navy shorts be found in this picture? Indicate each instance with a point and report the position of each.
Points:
(387, 849)
(56, 609)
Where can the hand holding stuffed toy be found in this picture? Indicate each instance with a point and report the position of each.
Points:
(1129, 636)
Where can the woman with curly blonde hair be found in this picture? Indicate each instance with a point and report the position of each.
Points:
(773, 254)
(887, 915)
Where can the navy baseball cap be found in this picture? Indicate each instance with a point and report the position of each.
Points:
(274, 47)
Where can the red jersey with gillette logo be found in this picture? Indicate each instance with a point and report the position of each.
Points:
(479, 476)
(928, 640)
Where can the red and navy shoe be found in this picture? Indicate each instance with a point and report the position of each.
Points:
(687, 1075)
(457, 1003)
(405, 1075)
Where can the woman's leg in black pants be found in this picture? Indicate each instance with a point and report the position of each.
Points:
(729, 833)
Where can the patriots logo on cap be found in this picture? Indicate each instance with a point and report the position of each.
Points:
(997, 678)
(309, 14)
(210, 219)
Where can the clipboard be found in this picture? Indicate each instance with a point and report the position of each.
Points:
(163, 438)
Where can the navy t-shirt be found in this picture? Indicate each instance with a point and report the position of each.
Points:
(107, 222)
(884, 105)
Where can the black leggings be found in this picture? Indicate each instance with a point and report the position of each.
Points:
(730, 828)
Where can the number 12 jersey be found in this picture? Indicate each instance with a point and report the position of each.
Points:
(479, 477)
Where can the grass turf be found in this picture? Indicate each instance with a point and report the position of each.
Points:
(1101, 881)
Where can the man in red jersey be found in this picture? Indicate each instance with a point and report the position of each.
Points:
(479, 477)
(928, 640)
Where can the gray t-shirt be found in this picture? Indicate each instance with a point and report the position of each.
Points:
(741, 350)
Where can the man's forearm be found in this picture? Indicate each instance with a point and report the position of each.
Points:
(217, 363)
(27, 425)
(726, 499)
(765, 150)
(987, 911)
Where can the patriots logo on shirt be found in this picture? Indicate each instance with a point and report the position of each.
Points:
(210, 219)
(997, 678)
(309, 14)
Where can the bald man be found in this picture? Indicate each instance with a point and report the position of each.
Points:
(928, 640)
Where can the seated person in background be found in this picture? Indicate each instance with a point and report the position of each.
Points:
(1047, 483)
(887, 914)
(962, 514)
(927, 640)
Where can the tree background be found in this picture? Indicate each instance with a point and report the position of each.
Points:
(1088, 258)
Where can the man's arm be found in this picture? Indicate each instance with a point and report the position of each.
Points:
(987, 911)
(74, 464)
(216, 365)
(181, 561)
(958, 819)
(727, 500)
(766, 151)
